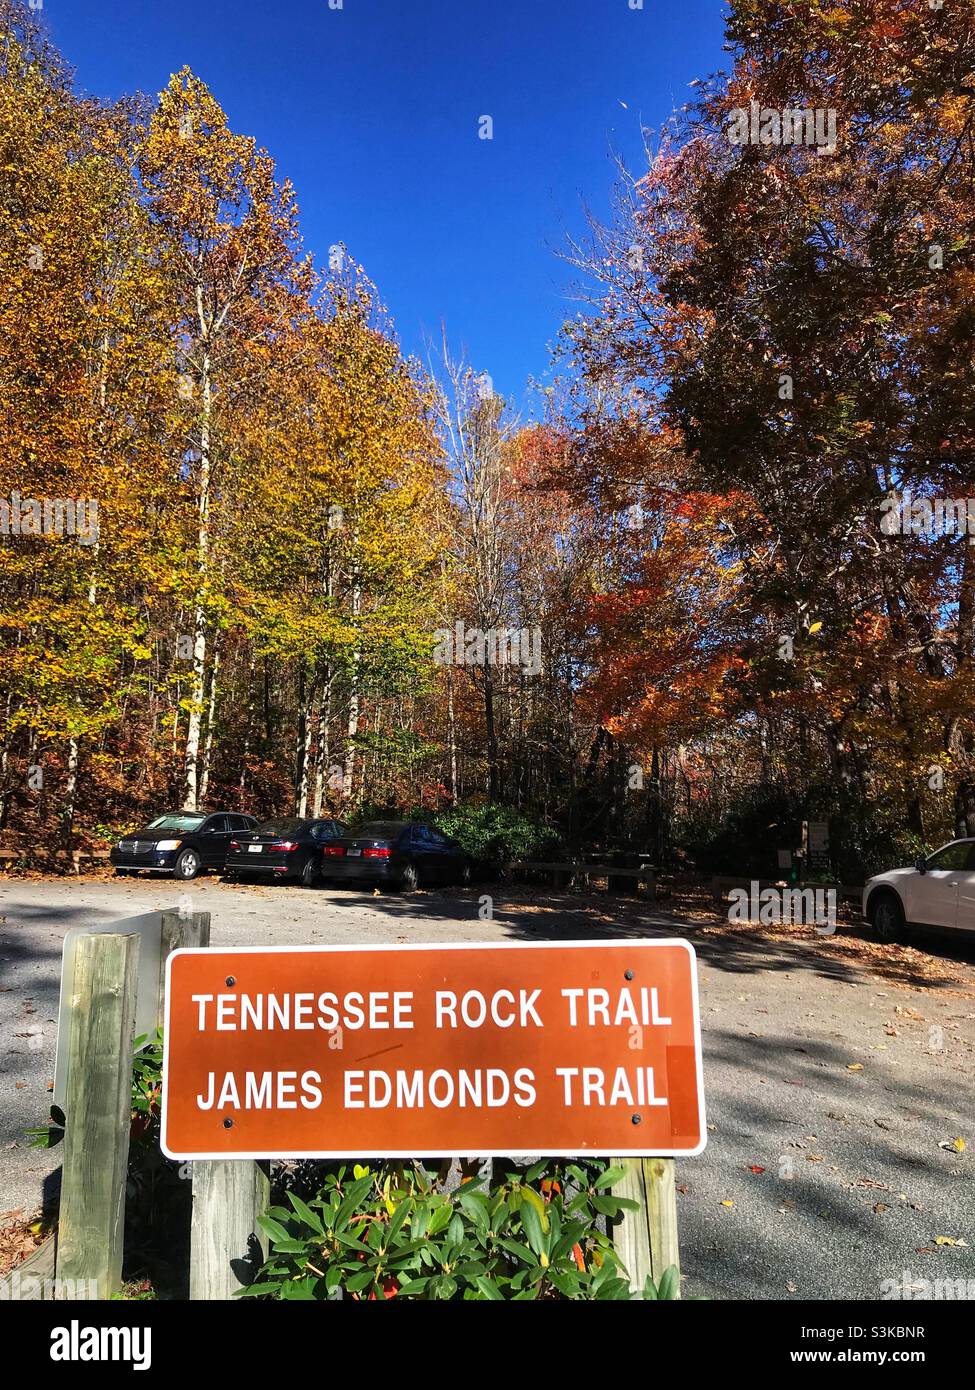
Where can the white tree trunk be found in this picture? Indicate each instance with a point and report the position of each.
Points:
(322, 765)
(198, 675)
(211, 714)
(352, 729)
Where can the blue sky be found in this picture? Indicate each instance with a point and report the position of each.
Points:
(372, 111)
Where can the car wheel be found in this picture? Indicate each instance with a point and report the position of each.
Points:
(409, 879)
(187, 865)
(309, 875)
(887, 916)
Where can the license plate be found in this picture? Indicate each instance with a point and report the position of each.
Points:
(254, 849)
(354, 852)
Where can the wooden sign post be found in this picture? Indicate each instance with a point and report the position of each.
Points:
(227, 1246)
(101, 1021)
(102, 999)
(646, 1239)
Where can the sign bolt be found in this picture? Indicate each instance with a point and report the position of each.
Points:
(627, 974)
(637, 1120)
(231, 980)
(228, 1124)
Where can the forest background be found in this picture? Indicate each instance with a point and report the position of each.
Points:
(726, 531)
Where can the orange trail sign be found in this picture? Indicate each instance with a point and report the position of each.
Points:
(410, 1051)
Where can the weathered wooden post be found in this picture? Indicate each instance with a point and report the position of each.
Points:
(178, 929)
(227, 1247)
(646, 1240)
(98, 1106)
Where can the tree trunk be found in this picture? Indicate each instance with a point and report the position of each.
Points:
(247, 723)
(211, 712)
(322, 767)
(5, 764)
(965, 808)
(351, 730)
(303, 743)
(191, 792)
(70, 791)
(353, 725)
(491, 734)
(452, 733)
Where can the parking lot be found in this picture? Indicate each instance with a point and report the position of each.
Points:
(838, 1075)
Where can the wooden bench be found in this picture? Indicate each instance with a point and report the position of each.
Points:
(579, 871)
(81, 858)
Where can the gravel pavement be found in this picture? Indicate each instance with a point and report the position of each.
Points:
(836, 1082)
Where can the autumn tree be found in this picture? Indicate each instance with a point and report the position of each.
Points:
(230, 237)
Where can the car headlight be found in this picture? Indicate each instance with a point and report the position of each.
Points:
(168, 844)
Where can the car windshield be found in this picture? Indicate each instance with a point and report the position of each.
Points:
(381, 830)
(176, 823)
(284, 826)
(960, 854)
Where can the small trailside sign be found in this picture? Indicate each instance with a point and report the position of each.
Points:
(565, 1048)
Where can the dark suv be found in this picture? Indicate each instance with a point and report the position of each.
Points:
(183, 843)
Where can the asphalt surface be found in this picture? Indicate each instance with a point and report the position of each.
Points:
(834, 1087)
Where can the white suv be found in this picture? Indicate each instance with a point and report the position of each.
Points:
(938, 892)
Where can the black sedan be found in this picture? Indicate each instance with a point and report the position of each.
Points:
(400, 854)
(183, 843)
(288, 847)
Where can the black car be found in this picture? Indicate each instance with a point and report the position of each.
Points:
(287, 847)
(401, 854)
(183, 843)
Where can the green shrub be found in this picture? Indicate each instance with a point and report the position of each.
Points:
(393, 1230)
(492, 834)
